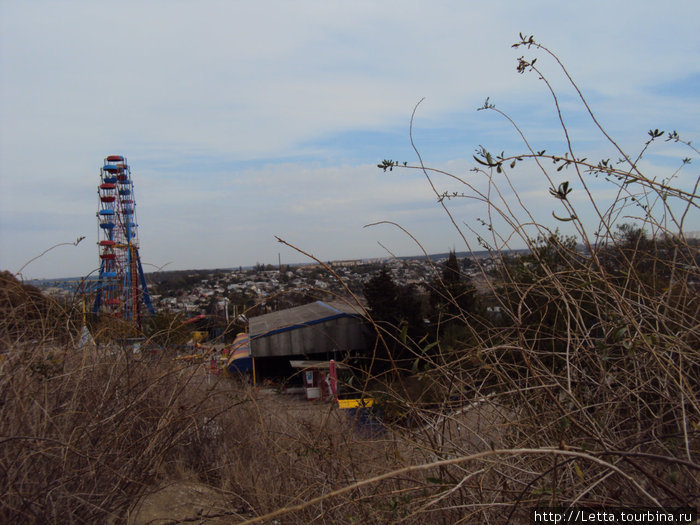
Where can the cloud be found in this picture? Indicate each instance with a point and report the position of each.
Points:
(243, 120)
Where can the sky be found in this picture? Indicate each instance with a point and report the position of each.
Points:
(247, 121)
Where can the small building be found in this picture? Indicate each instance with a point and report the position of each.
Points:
(318, 330)
(320, 378)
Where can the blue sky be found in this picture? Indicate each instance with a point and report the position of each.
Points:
(243, 121)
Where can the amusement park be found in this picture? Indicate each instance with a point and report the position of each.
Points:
(113, 362)
(302, 342)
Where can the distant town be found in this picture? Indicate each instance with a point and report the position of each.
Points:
(264, 287)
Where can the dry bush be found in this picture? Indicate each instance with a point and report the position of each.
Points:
(78, 444)
(584, 391)
(273, 452)
(87, 431)
(84, 431)
(28, 317)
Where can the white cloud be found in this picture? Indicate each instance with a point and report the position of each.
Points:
(226, 109)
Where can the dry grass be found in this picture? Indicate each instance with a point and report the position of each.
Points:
(584, 393)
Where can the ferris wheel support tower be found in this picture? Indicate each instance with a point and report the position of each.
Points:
(121, 285)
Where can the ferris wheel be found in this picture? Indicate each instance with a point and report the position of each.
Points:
(121, 285)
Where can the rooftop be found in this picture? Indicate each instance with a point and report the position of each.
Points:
(300, 316)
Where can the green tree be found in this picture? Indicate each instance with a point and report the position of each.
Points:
(392, 304)
(452, 296)
(397, 311)
(381, 293)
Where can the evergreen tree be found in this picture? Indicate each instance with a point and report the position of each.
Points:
(397, 310)
(452, 295)
(382, 295)
(393, 304)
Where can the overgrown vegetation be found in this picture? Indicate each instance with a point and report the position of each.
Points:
(581, 390)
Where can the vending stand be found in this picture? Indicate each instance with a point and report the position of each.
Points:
(320, 378)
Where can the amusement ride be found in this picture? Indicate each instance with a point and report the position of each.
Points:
(121, 287)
